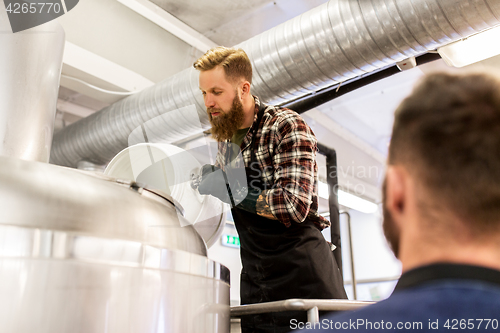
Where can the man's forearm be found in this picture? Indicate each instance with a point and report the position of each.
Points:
(256, 202)
(262, 208)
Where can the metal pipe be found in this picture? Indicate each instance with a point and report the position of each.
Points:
(326, 95)
(298, 305)
(353, 273)
(30, 67)
(332, 43)
(333, 201)
(376, 280)
(313, 315)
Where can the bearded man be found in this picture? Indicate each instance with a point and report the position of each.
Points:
(283, 252)
(442, 211)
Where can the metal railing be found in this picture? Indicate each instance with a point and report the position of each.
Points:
(351, 255)
(374, 280)
(312, 306)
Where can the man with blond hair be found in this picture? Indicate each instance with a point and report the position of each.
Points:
(283, 252)
(441, 211)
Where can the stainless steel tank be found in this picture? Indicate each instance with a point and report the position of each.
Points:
(30, 68)
(86, 253)
(172, 169)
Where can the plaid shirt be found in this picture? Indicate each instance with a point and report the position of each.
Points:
(286, 158)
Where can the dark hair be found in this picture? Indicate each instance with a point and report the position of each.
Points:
(447, 134)
(234, 61)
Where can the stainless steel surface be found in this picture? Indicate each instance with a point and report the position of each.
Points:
(88, 166)
(56, 296)
(329, 44)
(85, 253)
(35, 243)
(313, 315)
(164, 196)
(298, 305)
(235, 325)
(165, 168)
(69, 283)
(351, 255)
(39, 195)
(376, 280)
(30, 67)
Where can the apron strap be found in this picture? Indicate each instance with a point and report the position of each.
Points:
(253, 147)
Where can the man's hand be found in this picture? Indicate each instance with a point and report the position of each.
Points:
(214, 182)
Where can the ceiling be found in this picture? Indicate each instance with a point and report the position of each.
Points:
(109, 31)
(111, 46)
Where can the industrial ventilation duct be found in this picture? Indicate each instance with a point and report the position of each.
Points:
(332, 43)
(30, 68)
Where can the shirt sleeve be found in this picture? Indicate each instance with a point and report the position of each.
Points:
(293, 162)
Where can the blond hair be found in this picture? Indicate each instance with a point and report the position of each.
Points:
(234, 61)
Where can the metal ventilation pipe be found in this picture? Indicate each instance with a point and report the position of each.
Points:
(30, 67)
(332, 43)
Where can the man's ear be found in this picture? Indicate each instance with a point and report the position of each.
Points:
(245, 89)
(396, 192)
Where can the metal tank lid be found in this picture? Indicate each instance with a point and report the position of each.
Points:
(49, 197)
(171, 170)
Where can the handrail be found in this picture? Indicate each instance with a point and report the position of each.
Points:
(312, 306)
(375, 280)
(333, 203)
(351, 255)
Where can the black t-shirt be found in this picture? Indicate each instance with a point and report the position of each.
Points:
(237, 139)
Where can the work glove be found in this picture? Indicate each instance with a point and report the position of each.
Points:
(214, 182)
(230, 187)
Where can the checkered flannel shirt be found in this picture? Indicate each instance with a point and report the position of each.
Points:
(286, 158)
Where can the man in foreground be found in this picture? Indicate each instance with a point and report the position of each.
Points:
(283, 252)
(441, 211)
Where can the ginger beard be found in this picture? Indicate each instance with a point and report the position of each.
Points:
(227, 123)
(391, 230)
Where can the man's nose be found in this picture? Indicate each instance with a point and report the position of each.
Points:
(209, 101)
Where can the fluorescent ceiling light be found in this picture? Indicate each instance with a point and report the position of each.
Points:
(475, 48)
(323, 190)
(348, 200)
(355, 202)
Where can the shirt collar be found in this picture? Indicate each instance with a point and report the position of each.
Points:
(258, 106)
(248, 138)
(441, 271)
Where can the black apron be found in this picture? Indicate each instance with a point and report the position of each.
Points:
(281, 262)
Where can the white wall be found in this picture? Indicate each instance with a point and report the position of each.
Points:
(373, 258)
(229, 257)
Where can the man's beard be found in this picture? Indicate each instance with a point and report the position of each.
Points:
(226, 124)
(391, 230)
